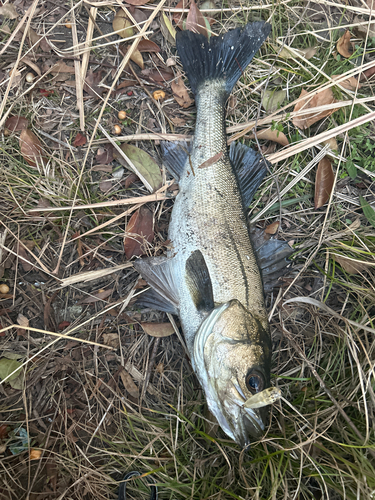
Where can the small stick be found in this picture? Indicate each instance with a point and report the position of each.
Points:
(150, 367)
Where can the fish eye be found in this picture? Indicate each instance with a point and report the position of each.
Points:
(254, 382)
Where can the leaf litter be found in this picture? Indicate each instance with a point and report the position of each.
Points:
(86, 379)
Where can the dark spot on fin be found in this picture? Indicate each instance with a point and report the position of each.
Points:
(158, 272)
(154, 300)
(250, 169)
(175, 155)
(273, 259)
(199, 282)
(223, 57)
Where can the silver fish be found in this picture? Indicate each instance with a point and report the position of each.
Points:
(211, 278)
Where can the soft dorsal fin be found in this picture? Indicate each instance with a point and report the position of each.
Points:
(158, 272)
(175, 155)
(199, 282)
(250, 168)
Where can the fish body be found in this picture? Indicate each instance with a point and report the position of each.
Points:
(211, 277)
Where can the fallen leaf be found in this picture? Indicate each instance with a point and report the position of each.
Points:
(9, 11)
(211, 160)
(111, 339)
(271, 135)
(96, 296)
(137, 2)
(80, 140)
(21, 252)
(177, 121)
(63, 325)
(35, 454)
(349, 84)
(307, 119)
(129, 384)
(125, 84)
(364, 31)
(130, 180)
(178, 16)
(272, 99)
(122, 25)
(351, 266)
(368, 211)
(286, 53)
(91, 85)
(158, 75)
(16, 123)
(137, 58)
(158, 329)
(104, 156)
(32, 149)
(32, 65)
(62, 67)
(368, 73)
(344, 46)
(145, 164)
(10, 367)
(139, 232)
(195, 21)
(148, 46)
(323, 182)
(167, 29)
(180, 92)
(332, 144)
(272, 228)
(105, 185)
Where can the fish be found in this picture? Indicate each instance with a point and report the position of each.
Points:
(211, 277)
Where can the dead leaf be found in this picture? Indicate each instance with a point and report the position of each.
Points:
(105, 185)
(63, 325)
(139, 232)
(24, 322)
(35, 454)
(211, 160)
(91, 85)
(61, 67)
(272, 228)
(80, 140)
(137, 2)
(158, 75)
(9, 11)
(272, 99)
(344, 46)
(286, 53)
(351, 266)
(180, 92)
(16, 123)
(32, 65)
(319, 99)
(122, 25)
(126, 83)
(368, 73)
(332, 144)
(178, 16)
(96, 296)
(167, 29)
(137, 58)
(111, 339)
(129, 384)
(32, 149)
(158, 329)
(176, 120)
(349, 84)
(148, 46)
(195, 21)
(271, 135)
(130, 180)
(104, 156)
(323, 182)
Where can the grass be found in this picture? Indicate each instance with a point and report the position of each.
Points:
(81, 405)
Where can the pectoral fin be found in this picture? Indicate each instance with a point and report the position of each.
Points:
(159, 274)
(199, 282)
(250, 169)
(151, 298)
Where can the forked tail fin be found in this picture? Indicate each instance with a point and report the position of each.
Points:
(224, 57)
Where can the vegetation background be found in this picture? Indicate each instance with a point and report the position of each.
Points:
(91, 387)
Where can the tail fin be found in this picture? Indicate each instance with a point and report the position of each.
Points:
(223, 57)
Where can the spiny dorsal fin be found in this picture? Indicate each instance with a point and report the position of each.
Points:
(199, 282)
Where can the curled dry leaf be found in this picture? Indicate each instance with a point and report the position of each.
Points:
(139, 232)
(344, 46)
(158, 329)
(351, 266)
(271, 135)
(178, 16)
(167, 29)
(92, 81)
(368, 73)
(272, 228)
(307, 102)
(136, 57)
(129, 384)
(333, 146)
(158, 75)
(349, 84)
(148, 46)
(80, 140)
(180, 92)
(307, 53)
(35, 454)
(32, 149)
(61, 67)
(195, 20)
(111, 339)
(104, 156)
(96, 296)
(323, 182)
(16, 123)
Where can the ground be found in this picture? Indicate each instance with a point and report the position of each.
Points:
(94, 387)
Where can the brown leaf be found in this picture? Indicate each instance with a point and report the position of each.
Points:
(323, 182)
(80, 140)
(8, 11)
(350, 83)
(111, 339)
(91, 85)
(351, 266)
(271, 135)
(125, 84)
(178, 16)
(180, 92)
(158, 329)
(344, 46)
(195, 21)
(32, 149)
(139, 231)
(15, 123)
(61, 67)
(272, 228)
(24, 322)
(368, 73)
(137, 58)
(137, 2)
(158, 75)
(211, 160)
(319, 99)
(148, 46)
(35, 454)
(104, 156)
(105, 185)
(96, 296)
(129, 384)
(176, 120)
(130, 180)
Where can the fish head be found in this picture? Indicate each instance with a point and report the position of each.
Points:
(232, 358)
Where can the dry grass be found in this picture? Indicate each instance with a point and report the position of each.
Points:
(115, 400)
